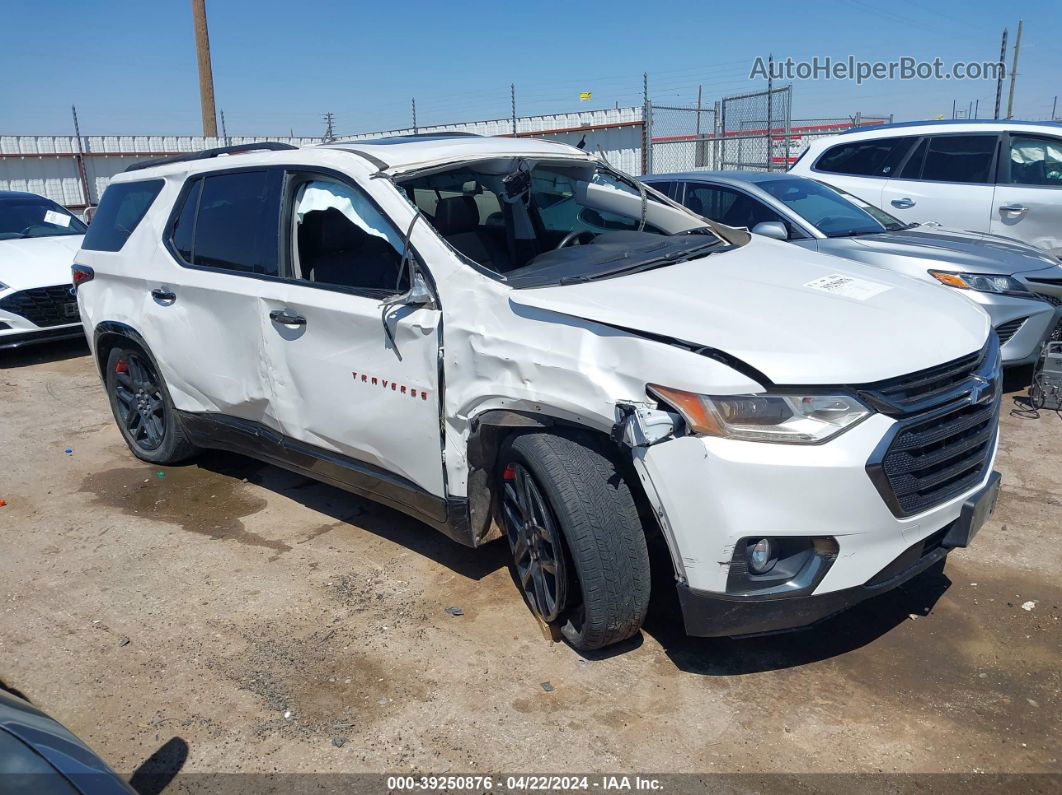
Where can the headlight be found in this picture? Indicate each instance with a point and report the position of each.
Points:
(983, 283)
(793, 419)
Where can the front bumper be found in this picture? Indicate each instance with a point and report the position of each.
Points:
(709, 493)
(17, 338)
(1022, 324)
(707, 614)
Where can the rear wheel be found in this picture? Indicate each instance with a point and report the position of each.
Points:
(578, 550)
(143, 409)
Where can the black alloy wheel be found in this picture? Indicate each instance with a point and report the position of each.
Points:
(535, 542)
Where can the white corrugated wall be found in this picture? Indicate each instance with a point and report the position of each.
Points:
(47, 164)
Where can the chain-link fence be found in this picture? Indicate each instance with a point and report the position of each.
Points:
(746, 131)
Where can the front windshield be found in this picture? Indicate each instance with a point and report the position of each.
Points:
(824, 208)
(890, 222)
(36, 217)
(536, 223)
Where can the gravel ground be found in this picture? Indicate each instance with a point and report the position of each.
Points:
(275, 624)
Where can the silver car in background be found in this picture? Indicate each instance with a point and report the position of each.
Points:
(1018, 285)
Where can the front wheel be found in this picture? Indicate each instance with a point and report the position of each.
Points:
(578, 550)
(142, 408)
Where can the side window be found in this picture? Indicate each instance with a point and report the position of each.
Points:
(1035, 161)
(730, 207)
(959, 158)
(341, 239)
(236, 223)
(876, 158)
(183, 235)
(912, 169)
(711, 202)
(123, 206)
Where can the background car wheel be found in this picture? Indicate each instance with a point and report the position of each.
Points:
(143, 409)
(579, 552)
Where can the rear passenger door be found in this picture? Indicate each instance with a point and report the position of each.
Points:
(1028, 199)
(203, 319)
(354, 374)
(948, 179)
(861, 167)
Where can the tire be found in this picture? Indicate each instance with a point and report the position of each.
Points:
(142, 408)
(602, 593)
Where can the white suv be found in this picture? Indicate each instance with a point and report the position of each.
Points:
(509, 337)
(998, 177)
(38, 240)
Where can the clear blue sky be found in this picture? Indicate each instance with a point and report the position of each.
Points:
(130, 66)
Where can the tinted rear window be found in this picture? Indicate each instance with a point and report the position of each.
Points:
(959, 158)
(877, 158)
(121, 209)
(236, 222)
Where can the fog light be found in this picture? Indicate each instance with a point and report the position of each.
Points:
(761, 557)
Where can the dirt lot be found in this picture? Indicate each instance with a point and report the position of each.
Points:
(276, 624)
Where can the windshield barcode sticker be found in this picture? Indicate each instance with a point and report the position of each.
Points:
(847, 286)
(57, 219)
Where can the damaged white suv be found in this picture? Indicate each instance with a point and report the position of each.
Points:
(509, 337)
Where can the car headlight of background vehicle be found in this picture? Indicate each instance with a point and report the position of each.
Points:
(983, 283)
(790, 418)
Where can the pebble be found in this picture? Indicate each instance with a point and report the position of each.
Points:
(338, 742)
(548, 687)
(455, 611)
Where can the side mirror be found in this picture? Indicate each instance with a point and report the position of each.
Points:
(775, 229)
(418, 293)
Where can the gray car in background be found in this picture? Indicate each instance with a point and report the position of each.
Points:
(1018, 285)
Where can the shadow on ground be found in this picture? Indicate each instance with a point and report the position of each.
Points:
(43, 353)
(361, 514)
(854, 628)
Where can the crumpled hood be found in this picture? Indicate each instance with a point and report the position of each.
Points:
(766, 304)
(38, 261)
(972, 251)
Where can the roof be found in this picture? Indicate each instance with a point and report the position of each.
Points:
(20, 194)
(395, 153)
(406, 150)
(1000, 124)
(725, 176)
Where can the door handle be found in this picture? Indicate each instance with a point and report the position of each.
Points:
(163, 297)
(903, 203)
(1017, 209)
(286, 318)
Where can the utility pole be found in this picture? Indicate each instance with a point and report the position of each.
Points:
(647, 123)
(699, 157)
(414, 115)
(1054, 107)
(977, 108)
(329, 133)
(770, 95)
(512, 94)
(206, 75)
(82, 174)
(1014, 72)
(1002, 69)
(224, 132)
(953, 108)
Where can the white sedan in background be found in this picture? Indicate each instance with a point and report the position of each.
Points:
(38, 240)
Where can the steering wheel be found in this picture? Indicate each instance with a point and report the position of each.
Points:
(584, 236)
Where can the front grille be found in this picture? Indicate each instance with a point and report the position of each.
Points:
(43, 306)
(1009, 329)
(942, 443)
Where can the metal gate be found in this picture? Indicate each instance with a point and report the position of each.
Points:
(745, 131)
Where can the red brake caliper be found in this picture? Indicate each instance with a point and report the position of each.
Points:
(120, 366)
(509, 473)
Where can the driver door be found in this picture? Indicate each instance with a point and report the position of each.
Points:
(353, 391)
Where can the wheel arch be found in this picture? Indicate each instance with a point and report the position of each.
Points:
(110, 333)
(491, 430)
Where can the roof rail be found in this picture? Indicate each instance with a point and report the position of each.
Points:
(925, 122)
(206, 154)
